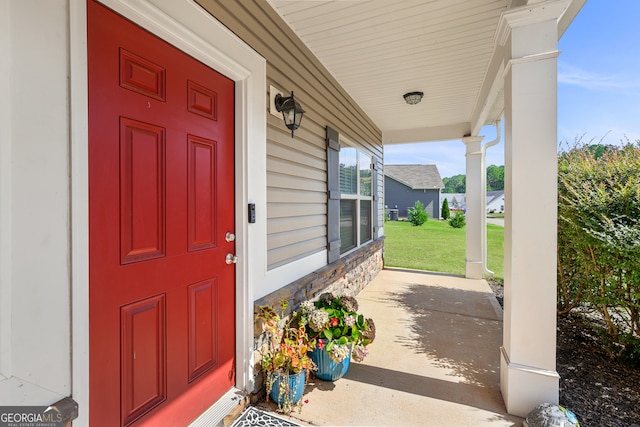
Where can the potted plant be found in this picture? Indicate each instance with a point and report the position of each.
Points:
(285, 357)
(340, 334)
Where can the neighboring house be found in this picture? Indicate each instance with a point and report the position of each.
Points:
(457, 201)
(406, 184)
(495, 201)
(152, 196)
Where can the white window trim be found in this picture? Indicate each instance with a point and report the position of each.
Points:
(346, 143)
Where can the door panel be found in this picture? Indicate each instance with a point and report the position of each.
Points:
(161, 199)
(142, 178)
(203, 325)
(202, 197)
(142, 358)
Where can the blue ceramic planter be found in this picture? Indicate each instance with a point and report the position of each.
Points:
(293, 390)
(328, 370)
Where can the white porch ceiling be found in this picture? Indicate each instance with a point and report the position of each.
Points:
(380, 49)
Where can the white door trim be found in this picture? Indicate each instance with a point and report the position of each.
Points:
(187, 26)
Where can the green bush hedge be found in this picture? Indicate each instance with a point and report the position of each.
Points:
(599, 242)
(446, 213)
(417, 214)
(458, 220)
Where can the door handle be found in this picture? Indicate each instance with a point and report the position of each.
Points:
(231, 259)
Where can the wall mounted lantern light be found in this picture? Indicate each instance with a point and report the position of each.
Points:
(291, 111)
(413, 98)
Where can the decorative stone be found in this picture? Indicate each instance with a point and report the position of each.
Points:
(550, 415)
(347, 276)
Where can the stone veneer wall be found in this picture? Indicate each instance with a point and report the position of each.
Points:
(347, 276)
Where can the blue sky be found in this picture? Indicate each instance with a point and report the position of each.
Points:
(598, 88)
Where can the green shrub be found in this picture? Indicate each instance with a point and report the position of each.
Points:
(446, 214)
(599, 241)
(458, 220)
(417, 214)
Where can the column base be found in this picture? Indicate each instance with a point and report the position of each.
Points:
(473, 270)
(525, 387)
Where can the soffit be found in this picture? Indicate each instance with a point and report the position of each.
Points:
(380, 49)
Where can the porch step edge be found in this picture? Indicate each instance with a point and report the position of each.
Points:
(224, 411)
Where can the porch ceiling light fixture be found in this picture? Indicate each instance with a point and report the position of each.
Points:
(412, 98)
(291, 111)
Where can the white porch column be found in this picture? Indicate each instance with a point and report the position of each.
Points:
(474, 262)
(528, 356)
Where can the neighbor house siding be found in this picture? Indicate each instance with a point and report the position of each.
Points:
(398, 194)
(297, 167)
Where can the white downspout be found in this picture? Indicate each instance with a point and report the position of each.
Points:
(483, 197)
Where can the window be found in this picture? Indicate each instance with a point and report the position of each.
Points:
(352, 183)
(355, 198)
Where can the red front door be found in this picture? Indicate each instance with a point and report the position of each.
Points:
(161, 201)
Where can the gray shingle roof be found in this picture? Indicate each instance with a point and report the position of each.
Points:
(492, 195)
(417, 177)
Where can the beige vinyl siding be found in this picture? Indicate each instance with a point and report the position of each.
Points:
(283, 225)
(303, 235)
(296, 167)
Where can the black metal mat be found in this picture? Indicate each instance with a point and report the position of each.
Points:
(256, 417)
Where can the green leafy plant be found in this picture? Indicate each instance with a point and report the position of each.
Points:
(285, 350)
(495, 178)
(599, 241)
(446, 214)
(417, 214)
(458, 220)
(336, 325)
(455, 184)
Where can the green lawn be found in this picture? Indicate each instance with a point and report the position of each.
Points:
(436, 246)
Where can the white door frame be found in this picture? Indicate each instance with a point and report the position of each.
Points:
(187, 26)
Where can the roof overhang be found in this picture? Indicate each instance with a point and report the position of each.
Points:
(380, 49)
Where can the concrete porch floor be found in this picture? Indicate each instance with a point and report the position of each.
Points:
(435, 360)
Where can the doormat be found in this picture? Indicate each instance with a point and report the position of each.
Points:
(255, 417)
